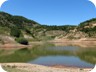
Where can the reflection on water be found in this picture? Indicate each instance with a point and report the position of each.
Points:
(64, 48)
(61, 60)
(48, 54)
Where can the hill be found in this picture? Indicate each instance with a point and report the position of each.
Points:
(13, 27)
(18, 29)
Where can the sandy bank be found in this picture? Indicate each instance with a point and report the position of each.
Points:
(40, 68)
(80, 42)
(58, 42)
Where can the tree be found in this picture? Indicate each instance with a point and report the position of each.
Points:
(15, 32)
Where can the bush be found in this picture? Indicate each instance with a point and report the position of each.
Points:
(15, 32)
(22, 40)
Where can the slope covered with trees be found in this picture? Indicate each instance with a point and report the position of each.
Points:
(22, 30)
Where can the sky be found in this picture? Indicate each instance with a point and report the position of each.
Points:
(52, 12)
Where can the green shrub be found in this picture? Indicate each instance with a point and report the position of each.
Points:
(22, 40)
(15, 32)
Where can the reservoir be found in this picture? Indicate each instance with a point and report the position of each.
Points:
(51, 55)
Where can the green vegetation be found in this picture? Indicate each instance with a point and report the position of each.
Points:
(49, 28)
(22, 40)
(89, 27)
(18, 26)
(15, 26)
(15, 32)
(93, 20)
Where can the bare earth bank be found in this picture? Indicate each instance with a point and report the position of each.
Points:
(39, 68)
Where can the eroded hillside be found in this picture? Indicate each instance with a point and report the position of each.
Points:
(18, 29)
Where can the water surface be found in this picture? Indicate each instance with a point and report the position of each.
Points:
(51, 55)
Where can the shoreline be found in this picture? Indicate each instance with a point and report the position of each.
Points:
(81, 43)
(40, 68)
(59, 42)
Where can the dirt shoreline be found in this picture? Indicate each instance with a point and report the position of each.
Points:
(81, 42)
(59, 42)
(40, 68)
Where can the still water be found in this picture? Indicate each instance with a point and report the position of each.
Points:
(51, 55)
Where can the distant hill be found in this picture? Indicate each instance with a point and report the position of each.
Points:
(19, 29)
